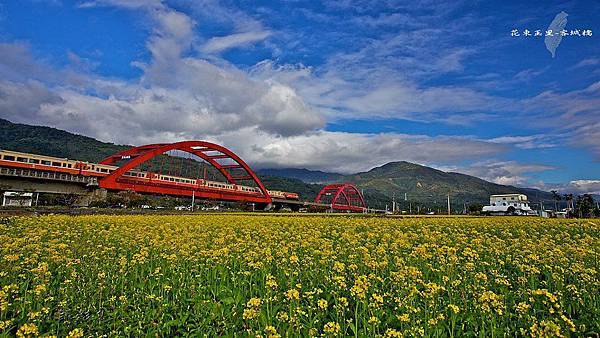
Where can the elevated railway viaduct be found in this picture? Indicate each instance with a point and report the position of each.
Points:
(123, 172)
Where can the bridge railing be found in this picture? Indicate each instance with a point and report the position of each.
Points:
(48, 175)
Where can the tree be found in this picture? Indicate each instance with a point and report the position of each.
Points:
(557, 199)
(475, 208)
(596, 211)
(569, 199)
(584, 205)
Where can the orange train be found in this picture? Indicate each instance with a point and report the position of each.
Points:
(48, 163)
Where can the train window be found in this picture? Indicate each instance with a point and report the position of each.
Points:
(21, 159)
(44, 162)
(9, 158)
(70, 165)
(56, 164)
(34, 161)
(104, 170)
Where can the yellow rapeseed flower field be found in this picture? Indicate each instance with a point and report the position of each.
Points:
(271, 276)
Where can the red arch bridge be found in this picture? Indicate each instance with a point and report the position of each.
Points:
(149, 169)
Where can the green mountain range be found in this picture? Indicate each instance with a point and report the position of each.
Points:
(423, 187)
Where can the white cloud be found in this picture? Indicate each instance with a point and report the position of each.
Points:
(221, 43)
(501, 172)
(587, 62)
(573, 113)
(576, 187)
(584, 187)
(353, 152)
(130, 4)
(529, 141)
(382, 95)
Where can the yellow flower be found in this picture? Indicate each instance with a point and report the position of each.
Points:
(271, 332)
(391, 333)
(252, 308)
(322, 304)
(331, 328)
(250, 313)
(76, 333)
(27, 330)
(292, 294)
(282, 316)
(454, 308)
(338, 267)
(405, 317)
(254, 302)
(374, 320)
(271, 282)
(546, 328)
(4, 324)
(377, 300)
(359, 289)
(523, 307)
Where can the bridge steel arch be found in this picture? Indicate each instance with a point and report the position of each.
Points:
(342, 197)
(138, 155)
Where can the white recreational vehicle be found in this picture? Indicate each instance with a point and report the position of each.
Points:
(508, 204)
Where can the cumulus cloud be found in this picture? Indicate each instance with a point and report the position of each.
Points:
(177, 96)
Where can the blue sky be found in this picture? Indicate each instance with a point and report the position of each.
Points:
(333, 85)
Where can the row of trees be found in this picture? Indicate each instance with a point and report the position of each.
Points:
(577, 206)
(132, 200)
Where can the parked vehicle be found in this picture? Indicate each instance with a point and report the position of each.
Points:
(508, 204)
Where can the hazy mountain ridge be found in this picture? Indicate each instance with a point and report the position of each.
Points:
(305, 175)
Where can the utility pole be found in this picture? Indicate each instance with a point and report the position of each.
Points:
(193, 199)
(405, 199)
(448, 204)
(410, 207)
(393, 202)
